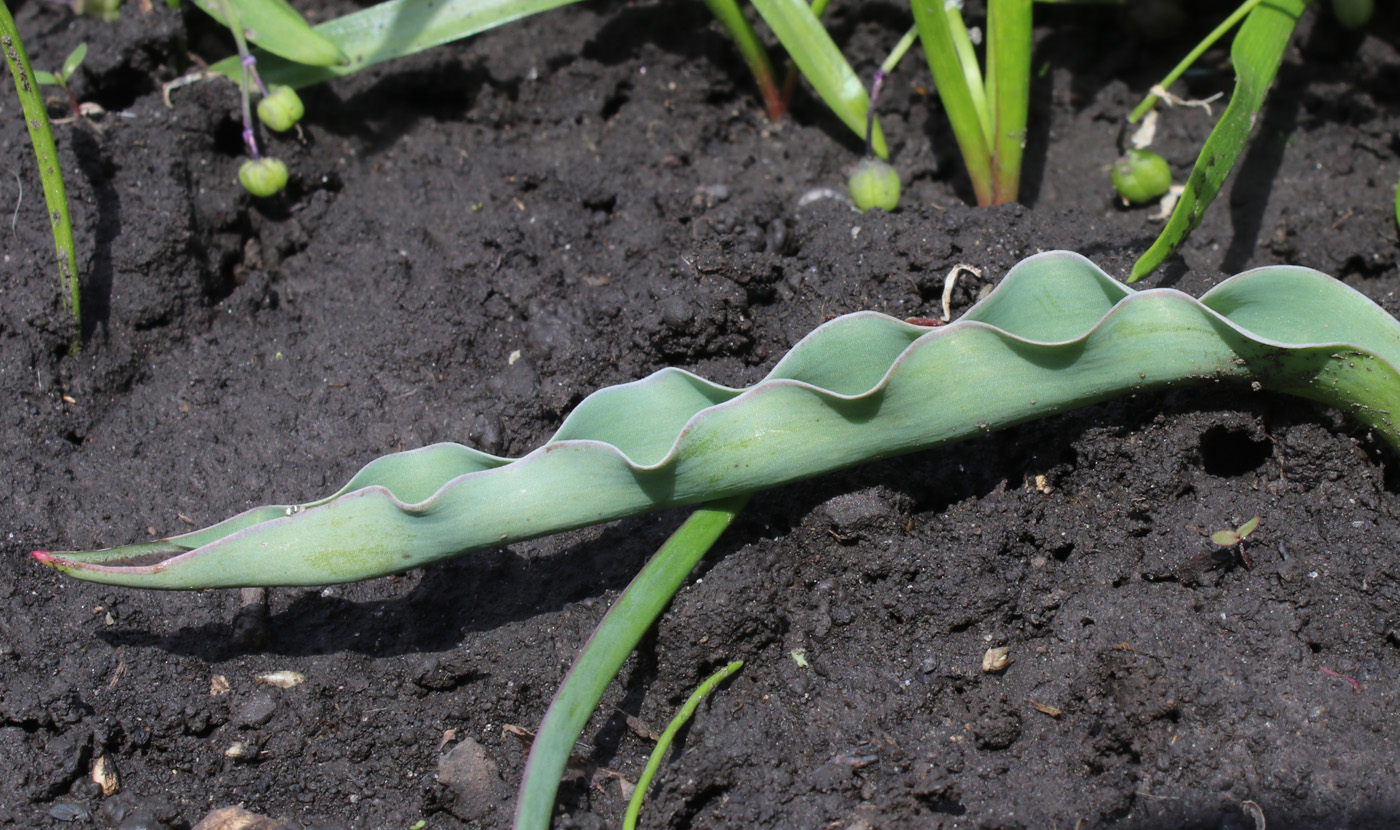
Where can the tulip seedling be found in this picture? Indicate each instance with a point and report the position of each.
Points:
(61, 77)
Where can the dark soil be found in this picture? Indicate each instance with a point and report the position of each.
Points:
(477, 237)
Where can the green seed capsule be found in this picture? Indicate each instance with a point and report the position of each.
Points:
(1141, 176)
(1352, 14)
(874, 184)
(263, 177)
(280, 108)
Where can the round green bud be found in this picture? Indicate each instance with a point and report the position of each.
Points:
(1141, 176)
(1352, 14)
(263, 177)
(874, 184)
(280, 108)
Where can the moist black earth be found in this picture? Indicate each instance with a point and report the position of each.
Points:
(477, 237)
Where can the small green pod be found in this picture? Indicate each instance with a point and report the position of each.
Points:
(263, 177)
(874, 184)
(281, 108)
(1141, 176)
(1352, 14)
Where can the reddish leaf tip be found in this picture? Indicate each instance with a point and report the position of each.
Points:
(44, 557)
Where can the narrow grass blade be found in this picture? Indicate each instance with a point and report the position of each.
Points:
(391, 30)
(801, 33)
(604, 653)
(1008, 87)
(31, 102)
(755, 56)
(1256, 54)
(936, 33)
(634, 805)
(278, 28)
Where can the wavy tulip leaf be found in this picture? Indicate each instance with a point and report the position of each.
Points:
(280, 29)
(1256, 54)
(1058, 333)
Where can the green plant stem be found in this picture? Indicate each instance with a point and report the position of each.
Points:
(900, 48)
(755, 56)
(1008, 88)
(634, 806)
(50, 173)
(1191, 57)
(236, 27)
(605, 652)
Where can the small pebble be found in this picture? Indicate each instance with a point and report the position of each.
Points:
(66, 811)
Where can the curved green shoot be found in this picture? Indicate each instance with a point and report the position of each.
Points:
(606, 650)
(1191, 57)
(755, 56)
(1058, 333)
(36, 118)
(1256, 54)
(809, 45)
(391, 30)
(634, 806)
(278, 28)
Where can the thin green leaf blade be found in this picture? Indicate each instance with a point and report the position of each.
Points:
(280, 29)
(36, 119)
(809, 44)
(1008, 86)
(1256, 54)
(959, 101)
(72, 62)
(43, 78)
(606, 650)
(390, 30)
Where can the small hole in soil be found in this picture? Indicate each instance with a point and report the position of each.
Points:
(1231, 452)
(616, 101)
(1315, 647)
(948, 807)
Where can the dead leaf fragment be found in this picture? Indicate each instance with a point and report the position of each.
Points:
(281, 679)
(218, 685)
(104, 775)
(996, 659)
(1047, 709)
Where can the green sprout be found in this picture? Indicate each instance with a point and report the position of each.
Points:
(61, 77)
(1057, 333)
(1141, 176)
(1231, 538)
(634, 806)
(50, 173)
